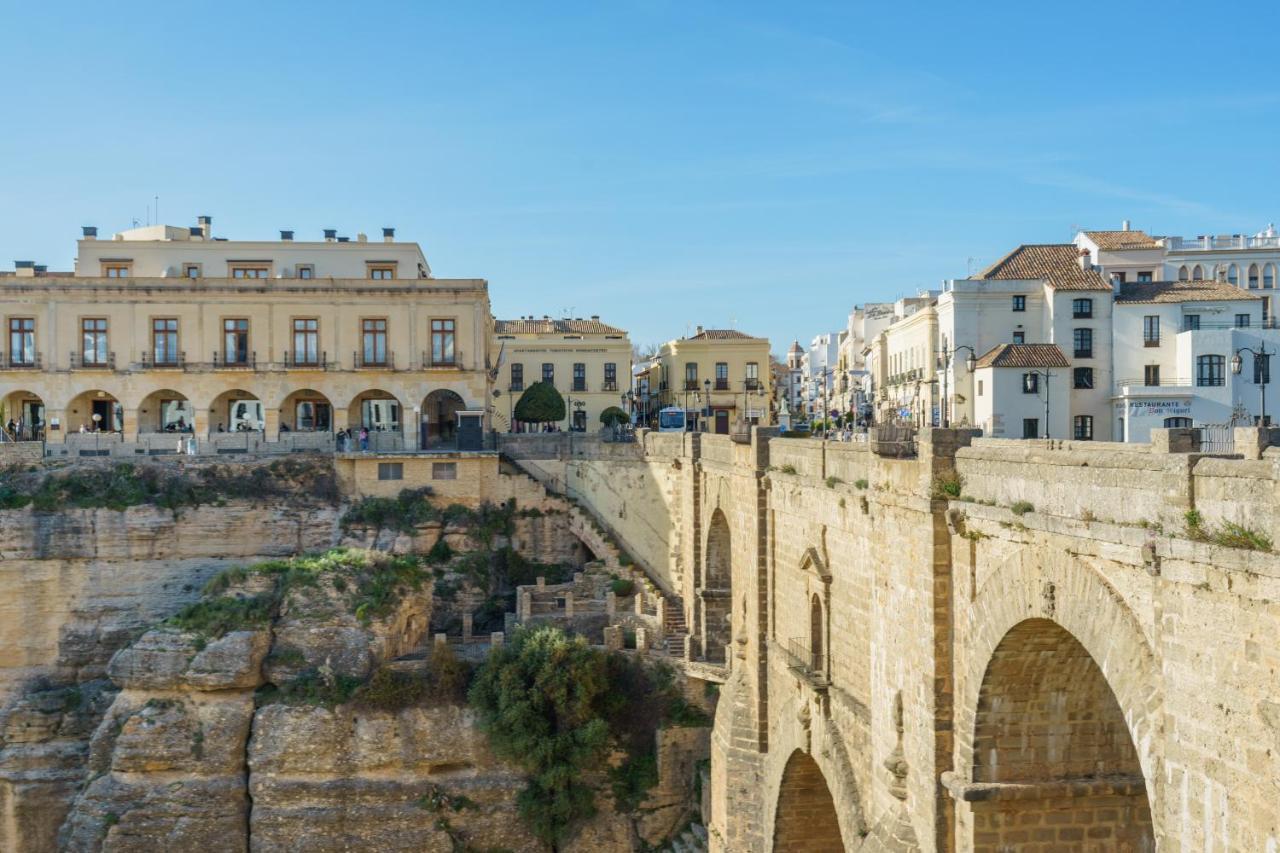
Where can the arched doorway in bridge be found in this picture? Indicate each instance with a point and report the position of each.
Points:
(25, 411)
(166, 411)
(715, 594)
(1048, 719)
(439, 425)
(806, 818)
(95, 411)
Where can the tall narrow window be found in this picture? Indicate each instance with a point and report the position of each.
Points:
(579, 376)
(1233, 274)
(443, 333)
(1253, 276)
(610, 376)
(306, 340)
(1183, 275)
(517, 377)
(691, 376)
(22, 341)
(1190, 322)
(1083, 339)
(1197, 273)
(1211, 370)
(1019, 302)
(373, 337)
(722, 376)
(1151, 330)
(1268, 276)
(549, 373)
(94, 330)
(1151, 375)
(1083, 428)
(1083, 377)
(164, 340)
(1031, 383)
(235, 341)
(753, 375)
(1030, 427)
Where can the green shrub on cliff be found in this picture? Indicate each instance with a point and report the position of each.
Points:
(404, 512)
(216, 617)
(558, 707)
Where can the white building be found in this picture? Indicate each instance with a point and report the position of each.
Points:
(1023, 391)
(819, 373)
(1037, 294)
(793, 388)
(167, 251)
(1174, 345)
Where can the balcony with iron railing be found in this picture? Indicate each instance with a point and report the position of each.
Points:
(26, 360)
(373, 361)
(806, 662)
(691, 385)
(79, 362)
(579, 385)
(1140, 385)
(247, 360)
(448, 361)
(163, 361)
(722, 384)
(294, 360)
(609, 385)
(751, 384)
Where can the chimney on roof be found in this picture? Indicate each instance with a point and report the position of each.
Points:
(388, 235)
(206, 226)
(330, 234)
(362, 237)
(90, 232)
(1124, 226)
(286, 236)
(195, 232)
(699, 330)
(1083, 258)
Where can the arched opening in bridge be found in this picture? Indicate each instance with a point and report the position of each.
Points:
(166, 411)
(439, 425)
(715, 592)
(806, 817)
(1048, 722)
(23, 416)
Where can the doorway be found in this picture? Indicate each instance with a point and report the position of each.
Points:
(722, 422)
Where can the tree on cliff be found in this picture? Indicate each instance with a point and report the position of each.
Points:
(558, 707)
(541, 403)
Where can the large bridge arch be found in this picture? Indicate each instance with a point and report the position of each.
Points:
(1059, 688)
(805, 819)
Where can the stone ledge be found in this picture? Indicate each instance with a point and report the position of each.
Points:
(974, 792)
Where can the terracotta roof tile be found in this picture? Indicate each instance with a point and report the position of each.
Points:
(555, 327)
(1023, 355)
(1116, 240)
(1056, 263)
(1152, 292)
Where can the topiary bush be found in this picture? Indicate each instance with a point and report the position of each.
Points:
(540, 403)
(614, 416)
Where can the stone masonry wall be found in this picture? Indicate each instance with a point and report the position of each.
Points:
(871, 594)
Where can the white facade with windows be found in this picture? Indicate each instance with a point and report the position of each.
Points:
(1022, 391)
(1174, 345)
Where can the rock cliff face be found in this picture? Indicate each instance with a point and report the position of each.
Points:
(241, 722)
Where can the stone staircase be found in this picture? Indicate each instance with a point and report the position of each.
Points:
(674, 625)
(692, 840)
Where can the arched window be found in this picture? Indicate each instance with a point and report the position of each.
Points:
(1233, 274)
(1182, 273)
(1197, 273)
(1253, 276)
(1269, 276)
(817, 627)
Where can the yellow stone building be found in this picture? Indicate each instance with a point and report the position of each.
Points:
(588, 361)
(165, 330)
(720, 377)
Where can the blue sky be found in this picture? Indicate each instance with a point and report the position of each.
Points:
(765, 166)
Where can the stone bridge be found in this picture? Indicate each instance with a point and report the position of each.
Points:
(994, 645)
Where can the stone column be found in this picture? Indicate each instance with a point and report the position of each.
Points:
(525, 609)
(271, 424)
(610, 603)
(642, 639)
(613, 638)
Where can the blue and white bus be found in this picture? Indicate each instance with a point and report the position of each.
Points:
(671, 419)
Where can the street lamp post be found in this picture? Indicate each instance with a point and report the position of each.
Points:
(1264, 372)
(1047, 375)
(969, 364)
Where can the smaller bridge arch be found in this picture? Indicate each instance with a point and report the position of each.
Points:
(715, 593)
(806, 820)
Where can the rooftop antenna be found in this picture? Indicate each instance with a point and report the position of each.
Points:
(968, 266)
(157, 210)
